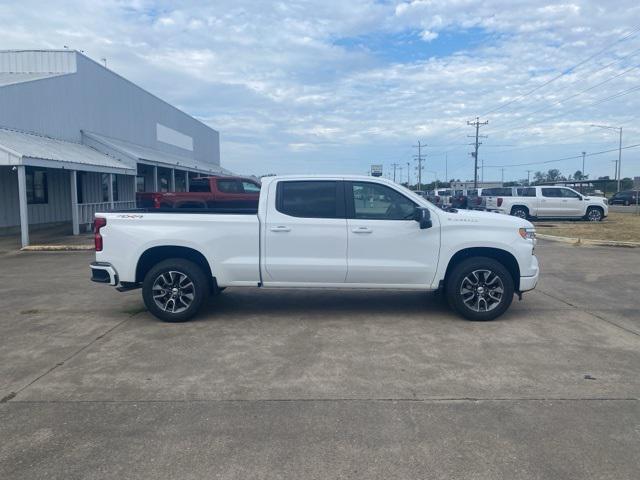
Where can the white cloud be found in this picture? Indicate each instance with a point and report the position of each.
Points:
(285, 89)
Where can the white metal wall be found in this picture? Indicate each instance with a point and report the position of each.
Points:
(58, 208)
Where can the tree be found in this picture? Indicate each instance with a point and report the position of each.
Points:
(539, 177)
(553, 175)
(580, 176)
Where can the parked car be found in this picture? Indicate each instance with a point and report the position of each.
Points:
(628, 197)
(549, 202)
(206, 192)
(440, 198)
(299, 237)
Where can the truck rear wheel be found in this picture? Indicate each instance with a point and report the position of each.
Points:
(174, 290)
(479, 288)
(520, 212)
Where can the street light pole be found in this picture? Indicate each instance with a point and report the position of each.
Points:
(619, 161)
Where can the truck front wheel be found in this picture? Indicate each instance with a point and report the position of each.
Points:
(479, 288)
(174, 289)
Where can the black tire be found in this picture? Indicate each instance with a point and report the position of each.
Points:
(594, 214)
(171, 270)
(459, 274)
(520, 212)
(627, 203)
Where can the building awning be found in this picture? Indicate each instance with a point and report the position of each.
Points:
(138, 153)
(20, 148)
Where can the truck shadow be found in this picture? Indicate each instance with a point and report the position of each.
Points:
(306, 302)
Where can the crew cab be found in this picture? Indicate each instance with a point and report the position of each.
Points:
(549, 202)
(343, 232)
(206, 192)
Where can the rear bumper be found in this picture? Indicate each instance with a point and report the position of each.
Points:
(103, 272)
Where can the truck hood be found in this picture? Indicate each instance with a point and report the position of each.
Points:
(485, 219)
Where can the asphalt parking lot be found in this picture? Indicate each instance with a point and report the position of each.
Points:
(315, 385)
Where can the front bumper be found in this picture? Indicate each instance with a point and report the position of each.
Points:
(529, 282)
(103, 272)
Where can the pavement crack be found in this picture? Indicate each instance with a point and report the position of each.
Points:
(599, 317)
(12, 395)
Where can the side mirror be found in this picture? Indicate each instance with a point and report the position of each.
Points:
(422, 215)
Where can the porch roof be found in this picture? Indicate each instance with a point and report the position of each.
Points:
(21, 148)
(138, 153)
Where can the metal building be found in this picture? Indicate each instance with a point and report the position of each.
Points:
(76, 137)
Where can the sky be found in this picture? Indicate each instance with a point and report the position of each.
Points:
(334, 86)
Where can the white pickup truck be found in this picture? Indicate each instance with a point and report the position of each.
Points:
(548, 202)
(318, 232)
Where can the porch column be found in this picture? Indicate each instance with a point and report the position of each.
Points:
(186, 180)
(155, 178)
(111, 190)
(73, 175)
(172, 187)
(22, 198)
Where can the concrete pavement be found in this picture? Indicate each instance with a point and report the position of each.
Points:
(304, 384)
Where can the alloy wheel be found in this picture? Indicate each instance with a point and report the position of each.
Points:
(173, 291)
(482, 290)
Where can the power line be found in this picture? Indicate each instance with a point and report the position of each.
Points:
(592, 104)
(562, 100)
(574, 157)
(565, 72)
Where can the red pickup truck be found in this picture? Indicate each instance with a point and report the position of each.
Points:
(206, 192)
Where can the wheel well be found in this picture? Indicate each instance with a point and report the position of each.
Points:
(502, 256)
(155, 255)
(520, 206)
(591, 207)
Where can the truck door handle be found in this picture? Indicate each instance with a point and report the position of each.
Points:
(361, 230)
(281, 228)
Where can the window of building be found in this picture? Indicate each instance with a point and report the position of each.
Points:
(309, 199)
(140, 184)
(105, 187)
(181, 183)
(373, 201)
(37, 191)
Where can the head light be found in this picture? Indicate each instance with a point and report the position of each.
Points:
(527, 233)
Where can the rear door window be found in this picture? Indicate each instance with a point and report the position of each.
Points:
(199, 185)
(551, 192)
(229, 186)
(310, 199)
(526, 192)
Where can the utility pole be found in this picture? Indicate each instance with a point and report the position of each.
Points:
(408, 173)
(446, 167)
(583, 175)
(419, 158)
(529, 177)
(394, 165)
(474, 154)
(502, 169)
(400, 174)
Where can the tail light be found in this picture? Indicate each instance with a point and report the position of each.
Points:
(500, 202)
(98, 223)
